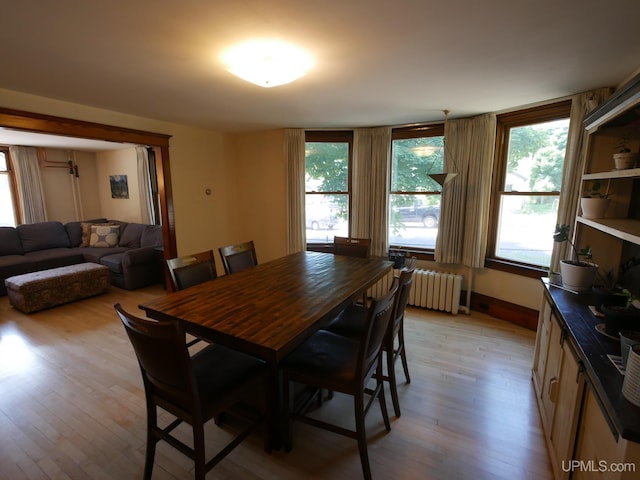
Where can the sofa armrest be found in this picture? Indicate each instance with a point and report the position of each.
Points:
(139, 256)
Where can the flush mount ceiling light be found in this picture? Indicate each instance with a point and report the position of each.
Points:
(267, 63)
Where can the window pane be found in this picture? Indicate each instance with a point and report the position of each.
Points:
(525, 229)
(326, 216)
(7, 215)
(327, 190)
(327, 167)
(533, 164)
(413, 159)
(536, 156)
(413, 220)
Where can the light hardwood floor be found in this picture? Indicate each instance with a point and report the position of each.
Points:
(72, 405)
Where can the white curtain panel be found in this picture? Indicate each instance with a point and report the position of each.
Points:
(574, 160)
(361, 183)
(294, 151)
(370, 189)
(144, 185)
(32, 203)
(463, 230)
(380, 172)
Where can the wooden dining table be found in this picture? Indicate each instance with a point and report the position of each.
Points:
(268, 310)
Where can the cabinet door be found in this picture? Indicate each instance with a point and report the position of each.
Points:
(567, 399)
(542, 347)
(550, 379)
(596, 446)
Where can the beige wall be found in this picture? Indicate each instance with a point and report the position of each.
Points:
(112, 163)
(58, 186)
(247, 177)
(260, 194)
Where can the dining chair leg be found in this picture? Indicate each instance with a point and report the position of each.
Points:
(152, 423)
(362, 435)
(381, 398)
(199, 453)
(403, 353)
(391, 375)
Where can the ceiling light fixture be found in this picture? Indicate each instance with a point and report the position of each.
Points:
(267, 63)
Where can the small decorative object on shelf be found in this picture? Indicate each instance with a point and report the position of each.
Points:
(594, 203)
(625, 158)
(577, 275)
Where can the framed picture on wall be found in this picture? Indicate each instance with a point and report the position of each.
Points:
(119, 186)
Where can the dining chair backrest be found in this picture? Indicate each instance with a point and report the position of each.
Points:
(164, 360)
(352, 247)
(405, 281)
(378, 318)
(238, 257)
(191, 270)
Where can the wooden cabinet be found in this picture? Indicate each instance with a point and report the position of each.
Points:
(559, 383)
(600, 453)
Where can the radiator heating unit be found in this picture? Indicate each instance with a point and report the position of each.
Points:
(431, 289)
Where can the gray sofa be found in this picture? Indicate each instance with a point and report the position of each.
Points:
(136, 260)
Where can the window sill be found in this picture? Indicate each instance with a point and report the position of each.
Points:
(515, 268)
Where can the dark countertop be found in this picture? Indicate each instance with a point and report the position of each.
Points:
(592, 348)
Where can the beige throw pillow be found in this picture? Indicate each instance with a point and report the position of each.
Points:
(104, 235)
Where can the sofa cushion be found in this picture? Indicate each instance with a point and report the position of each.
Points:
(10, 242)
(96, 253)
(104, 235)
(130, 237)
(43, 235)
(74, 230)
(11, 265)
(151, 236)
(114, 262)
(54, 258)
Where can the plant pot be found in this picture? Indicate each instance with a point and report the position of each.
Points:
(594, 207)
(625, 160)
(578, 276)
(628, 338)
(618, 317)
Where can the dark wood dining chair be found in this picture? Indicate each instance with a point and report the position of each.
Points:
(352, 247)
(330, 361)
(190, 270)
(353, 320)
(193, 389)
(238, 257)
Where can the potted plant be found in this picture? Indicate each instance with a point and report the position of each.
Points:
(577, 275)
(624, 316)
(624, 158)
(594, 203)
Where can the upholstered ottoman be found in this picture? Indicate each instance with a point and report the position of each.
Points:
(47, 288)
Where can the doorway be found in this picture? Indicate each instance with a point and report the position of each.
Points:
(158, 144)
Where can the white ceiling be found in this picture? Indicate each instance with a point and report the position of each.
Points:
(378, 62)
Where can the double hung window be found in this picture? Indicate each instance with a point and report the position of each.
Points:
(527, 182)
(414, 198)
(8, 215)
(327, 185)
